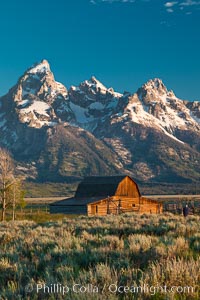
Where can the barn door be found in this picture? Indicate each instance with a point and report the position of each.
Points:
(94, 209)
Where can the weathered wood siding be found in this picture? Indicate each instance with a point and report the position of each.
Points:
(128, 188)
(116, 205)
(98, 208)
(112, 195)
(150, 206)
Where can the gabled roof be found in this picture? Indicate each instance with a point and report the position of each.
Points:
(76, 202)
(103, 179)
(93, 189)
(96, 186)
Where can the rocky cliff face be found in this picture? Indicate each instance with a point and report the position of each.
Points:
(37, 99)
(92, 102)
(155, 134)
(91, 129)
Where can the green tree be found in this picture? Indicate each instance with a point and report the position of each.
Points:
(6, 179)
(10, 186)
(15, 196)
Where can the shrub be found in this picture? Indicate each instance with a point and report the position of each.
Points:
(127, 249)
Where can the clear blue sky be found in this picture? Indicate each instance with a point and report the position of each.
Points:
(122, 42)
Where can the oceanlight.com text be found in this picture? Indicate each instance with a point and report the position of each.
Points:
(152, 290)
(77, 288)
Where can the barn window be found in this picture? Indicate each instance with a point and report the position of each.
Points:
(96, 209)
(133, 205)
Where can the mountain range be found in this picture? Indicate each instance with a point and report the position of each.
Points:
(55, 133)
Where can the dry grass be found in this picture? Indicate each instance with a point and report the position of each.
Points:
(126, 249)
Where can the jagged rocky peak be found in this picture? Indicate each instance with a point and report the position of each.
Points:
(38, 99)
(39, 81)
(41, 67)
(94, 80)
(92, 90)
(93, 85)
(97, 85)
(92, 102)
(154, 91)
(155, 84)
(102, 89)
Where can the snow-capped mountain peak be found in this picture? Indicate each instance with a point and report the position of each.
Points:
(38, 98)
(152, 90)
(154, 106)
(39, 81)
(155, 83)
(152, 131)
(41, 67)
(92, 102)
(96, 84)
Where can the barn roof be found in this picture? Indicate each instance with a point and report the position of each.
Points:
(95, 186)
(93, 189)
(103, 179)
(75, 202)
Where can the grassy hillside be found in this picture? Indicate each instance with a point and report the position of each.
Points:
(49, 189)
(57, 189)
(90, 258)
(73, 152)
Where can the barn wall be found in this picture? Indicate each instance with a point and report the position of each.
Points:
(127, 187)
(98, 208)
(140, 205)
(150, 206)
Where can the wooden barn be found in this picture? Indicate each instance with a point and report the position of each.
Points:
(98, 195)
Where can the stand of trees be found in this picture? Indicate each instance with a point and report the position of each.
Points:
(11, 192)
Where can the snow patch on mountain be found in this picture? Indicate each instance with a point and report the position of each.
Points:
(164, 109)
(81, 114)
(36, 113)
(38, 107)
(195, 118)
(96, 105)
(92, 103)
(42, 101)
(24, 103)
(172, 136)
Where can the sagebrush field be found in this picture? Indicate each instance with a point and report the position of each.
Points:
(96, 253)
